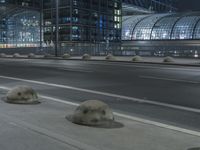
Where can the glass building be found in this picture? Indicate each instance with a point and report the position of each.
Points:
(167, 26)
(164, 34)
(75, 25)
(83, 25)
(19, 23)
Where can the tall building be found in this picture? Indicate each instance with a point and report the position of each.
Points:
(83, 25)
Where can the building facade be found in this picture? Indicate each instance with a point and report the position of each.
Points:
(174, 33)
(19, 23)
(83, 26)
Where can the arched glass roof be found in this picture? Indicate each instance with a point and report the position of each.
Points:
(197, 31)
(163, 28)
(143, 29)
(184, 28)
(168, 26)
(127, 30)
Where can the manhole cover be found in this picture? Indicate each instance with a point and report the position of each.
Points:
(195, 148)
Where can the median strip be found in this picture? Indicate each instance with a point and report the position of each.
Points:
(145, 121)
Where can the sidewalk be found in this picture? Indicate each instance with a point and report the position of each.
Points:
(44, 127)
(158, 60)
(148, 59)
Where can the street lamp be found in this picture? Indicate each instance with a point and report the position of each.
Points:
(107, 45)
(57, 28)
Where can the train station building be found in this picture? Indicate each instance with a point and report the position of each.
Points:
(98, 27)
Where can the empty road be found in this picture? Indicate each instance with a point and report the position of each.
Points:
(163, 93)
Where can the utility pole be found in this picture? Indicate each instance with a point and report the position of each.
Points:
(57, 28)
(41, 23)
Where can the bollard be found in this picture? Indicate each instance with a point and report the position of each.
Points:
(16, 55)
(86, 57)
(168, 59)
(110, 57)
(94, 113)
(66, 56)
(22, 95)
(137, 58)
(3, 55)
(31, 55)
(48, 55)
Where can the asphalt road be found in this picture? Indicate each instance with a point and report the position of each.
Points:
(115, 83)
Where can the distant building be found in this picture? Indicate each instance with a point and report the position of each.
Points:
(99, 26)
(85, 26)
(92, 26)
(175, 34)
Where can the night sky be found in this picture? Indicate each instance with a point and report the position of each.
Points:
(188, 5)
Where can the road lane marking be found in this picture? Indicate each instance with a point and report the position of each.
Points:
(58, 100)
(145, 121)
(169, 79)
(104, 94)
(74, 70)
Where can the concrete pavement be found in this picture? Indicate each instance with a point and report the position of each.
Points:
(158, 60)
(125, 87)
(147, 59)
(44, 127)
(163, 94)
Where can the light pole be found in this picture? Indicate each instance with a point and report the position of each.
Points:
(41, 24)
(107, 45)
(57, 28)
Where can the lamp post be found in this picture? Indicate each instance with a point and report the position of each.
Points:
(41, 24)
(57, 28)
(107, 45)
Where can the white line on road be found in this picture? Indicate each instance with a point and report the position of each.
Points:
(104, 94)
(169, 79)
(75, 70)
(145, 121)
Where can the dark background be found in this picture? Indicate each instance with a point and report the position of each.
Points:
(188, 5)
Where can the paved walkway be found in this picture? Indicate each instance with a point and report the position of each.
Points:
(148, 59)
(187, 61)
(44, 127)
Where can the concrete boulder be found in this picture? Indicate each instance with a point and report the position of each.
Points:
(31, 55)
(3, 55)
(168, 59)
(22, 95)
(137, 58)
(16, 55)
(110, 57)
(66, 56)
(48, 55)
(86, 57)
(93, 113)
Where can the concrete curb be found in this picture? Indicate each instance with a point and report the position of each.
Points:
(117, 61)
